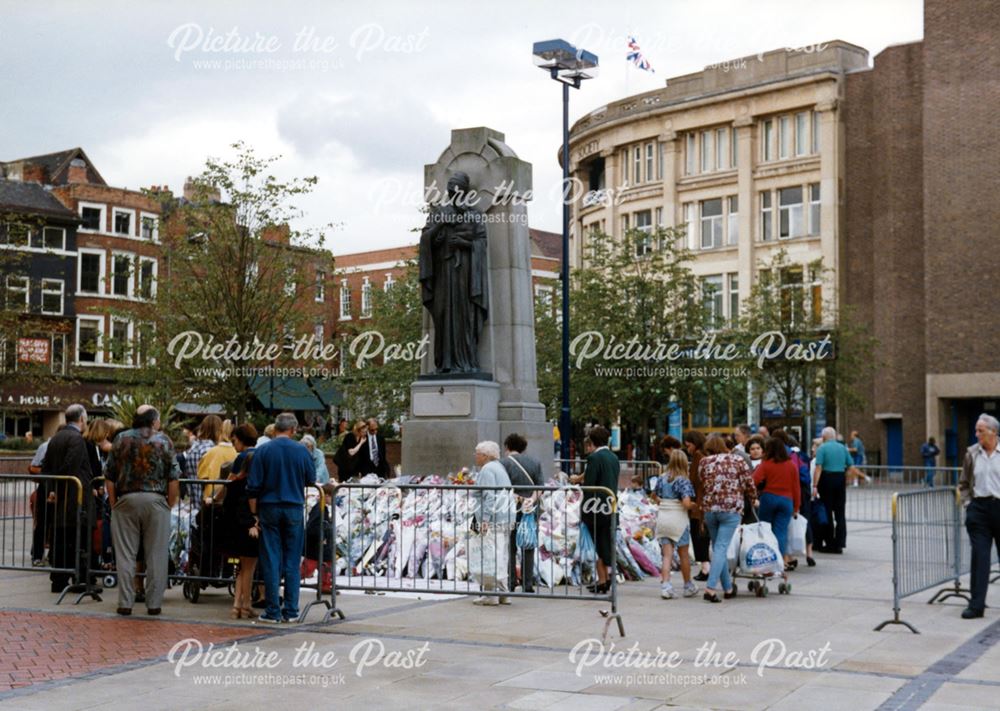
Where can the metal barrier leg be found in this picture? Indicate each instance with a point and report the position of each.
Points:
(319, 561)
(946, 593)
(896, 621)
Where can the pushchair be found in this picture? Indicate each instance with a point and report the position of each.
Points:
(208, 564)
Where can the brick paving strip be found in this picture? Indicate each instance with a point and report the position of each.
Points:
(38, 647)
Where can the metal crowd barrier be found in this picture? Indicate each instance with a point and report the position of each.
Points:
(869, 499)
(197, 545)
(462, 540)
(927, 547)
(41, 519)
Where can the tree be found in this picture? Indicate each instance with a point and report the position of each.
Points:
(233, 276)
(385, 358)
(786, 299)
(638, 290)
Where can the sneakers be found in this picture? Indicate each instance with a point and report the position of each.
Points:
(264, 619)
(690, 589)
(486, 601)
(667, 591)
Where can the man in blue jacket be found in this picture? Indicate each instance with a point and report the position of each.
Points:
(279, 474)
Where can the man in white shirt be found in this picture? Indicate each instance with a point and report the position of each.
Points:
(979, 486)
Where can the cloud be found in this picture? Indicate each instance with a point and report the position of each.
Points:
(383, 132)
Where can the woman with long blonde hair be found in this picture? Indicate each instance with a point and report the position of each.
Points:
(675, 496)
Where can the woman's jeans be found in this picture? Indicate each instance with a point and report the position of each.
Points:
(777, 511)
(721, 527)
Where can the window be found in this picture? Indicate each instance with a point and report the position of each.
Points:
(814, 206)
(143, 341)
(766, 216)
(711, 223)
(318, 332)
(92, 217)
(733, 219)
(91, 272)
(650, 170)
(707, 151)
(784, 137)
(147, 278)
(150, 228)
(637, 165)
(734, 298)
(53, 238)
(792, 303)
(691, 155)
(733, 161)
(689, 225)
(320, 287)
(120, 350)
(52, 296)
(659, 217)
(18, 290)
(366, 298)
(389, 282)
(801, 133)
(816, 289)
(722, 144)
(815, 132)
(290, 286)
(790, 214)
(659, 164)
(625, 225)
(88, 340)
(15, 234)
(768, 141)
(121, 274)
(58, 354)
(711, 290)
(345, 300)
(644, 222)
(123, 220)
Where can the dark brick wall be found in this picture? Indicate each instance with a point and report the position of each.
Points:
(884, 237)
(961, 144)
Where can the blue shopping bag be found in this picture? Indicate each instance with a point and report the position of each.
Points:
(586, 549)
(527, 532)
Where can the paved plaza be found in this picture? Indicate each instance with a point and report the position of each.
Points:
(817, 646)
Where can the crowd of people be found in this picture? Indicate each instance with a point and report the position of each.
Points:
(260, 507)
(713, 484)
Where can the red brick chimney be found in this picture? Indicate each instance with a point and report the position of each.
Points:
(77, 172)
(31, 173)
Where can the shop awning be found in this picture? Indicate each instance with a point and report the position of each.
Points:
(293, 394)
(190, 408)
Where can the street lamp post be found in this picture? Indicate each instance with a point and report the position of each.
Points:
(569, 66)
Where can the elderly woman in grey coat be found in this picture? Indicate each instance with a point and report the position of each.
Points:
(494, 516)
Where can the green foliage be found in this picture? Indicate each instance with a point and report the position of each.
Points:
(786, 298)
(226, 275)
(639, 287)
(123, 409)
(381, 387)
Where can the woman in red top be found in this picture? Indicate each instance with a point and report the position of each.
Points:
(781, 494)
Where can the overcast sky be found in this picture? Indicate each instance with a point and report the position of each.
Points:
(127, 81)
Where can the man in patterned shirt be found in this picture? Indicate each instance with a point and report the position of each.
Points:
(142, 474)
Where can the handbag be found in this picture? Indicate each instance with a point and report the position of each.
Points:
(527, 532)
(585, 548)
(671, 519)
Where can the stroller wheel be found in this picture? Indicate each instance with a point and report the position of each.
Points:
(781, 588)
(232, 590)
(752, 586)
(110, 581)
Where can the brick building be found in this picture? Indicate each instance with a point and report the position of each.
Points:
(91, 269)
(922, 160)
(360, 272)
